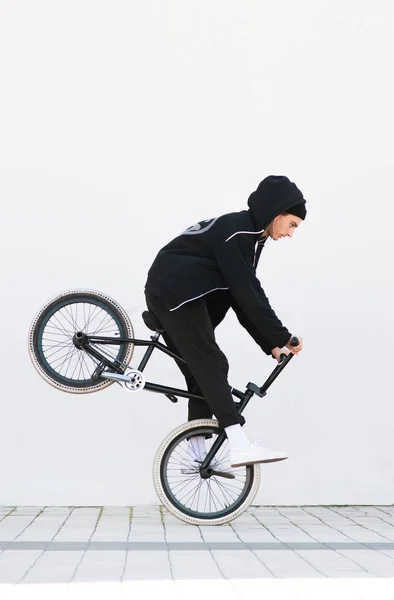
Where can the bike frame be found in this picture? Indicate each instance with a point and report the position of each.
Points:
(171, 392)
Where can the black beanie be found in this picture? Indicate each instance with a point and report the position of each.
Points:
(273, 197)
(298, 210)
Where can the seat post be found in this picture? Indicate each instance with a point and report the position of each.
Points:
(149, 350)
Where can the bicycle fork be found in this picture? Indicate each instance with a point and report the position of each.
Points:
(205, 470)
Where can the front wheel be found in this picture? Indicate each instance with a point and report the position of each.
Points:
(187, 494)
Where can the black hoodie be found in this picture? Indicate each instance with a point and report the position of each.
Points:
(222, 254)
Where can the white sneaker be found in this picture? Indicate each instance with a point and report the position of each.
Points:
(255, 453)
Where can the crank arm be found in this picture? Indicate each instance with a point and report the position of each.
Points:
(116, 377)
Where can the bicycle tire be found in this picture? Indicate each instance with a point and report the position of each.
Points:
(167, 492)
(63, 309)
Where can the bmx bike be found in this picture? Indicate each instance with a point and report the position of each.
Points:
(82, 341)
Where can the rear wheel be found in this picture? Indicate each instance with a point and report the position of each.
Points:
(187, 492)
(52, 349)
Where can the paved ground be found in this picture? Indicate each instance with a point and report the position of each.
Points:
(289, 553)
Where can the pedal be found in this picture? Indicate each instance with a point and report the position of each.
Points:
(98, 371)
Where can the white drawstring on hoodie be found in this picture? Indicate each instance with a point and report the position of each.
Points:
(237, 232)
(252, 232)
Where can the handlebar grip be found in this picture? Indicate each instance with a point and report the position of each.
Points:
(294, 341)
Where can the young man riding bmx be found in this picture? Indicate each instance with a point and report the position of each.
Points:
(193, 282)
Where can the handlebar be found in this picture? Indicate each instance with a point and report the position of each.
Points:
(285, 359)
(293, 342)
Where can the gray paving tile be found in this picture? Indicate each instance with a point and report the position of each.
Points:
(236, 564)
(263, 549)
(323, 533)
(153, 565)
(146, 511)
(54, 567)
(44, 528)
(116, 511)
(286, 563)
(5, 510)
(112, 528)
(87, 511)
(193, 565)
(56, 510)
(101, 566)
(13, 526)
(14, 564)
(77, 529)
(332, 564)
(218, 534)
(28, 511)
(385, 509)
(375, 563)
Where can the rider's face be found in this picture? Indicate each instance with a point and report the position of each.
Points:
(282, 226)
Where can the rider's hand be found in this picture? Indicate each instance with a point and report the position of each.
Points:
(276, 352)
(295, 349)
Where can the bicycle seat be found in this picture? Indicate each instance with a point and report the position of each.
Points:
(152, 322)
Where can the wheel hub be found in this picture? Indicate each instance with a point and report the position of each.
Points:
(206, 473)
(80, 339)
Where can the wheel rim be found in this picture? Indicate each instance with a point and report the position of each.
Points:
(197, 497)
(62, 360)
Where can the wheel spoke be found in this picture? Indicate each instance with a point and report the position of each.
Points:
(80, 365)
(224, 490)
(198, 490)
(61, 326)
(102, 325)
(59, 331)
(189, 494)
(72, 354)
(68, 317)
(91, 358)
(213, 495)
(60, 360)
(91, 317)
(54, 348)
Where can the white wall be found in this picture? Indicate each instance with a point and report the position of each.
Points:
(123, 122)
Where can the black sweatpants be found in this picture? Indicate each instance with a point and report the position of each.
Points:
(189, 332)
